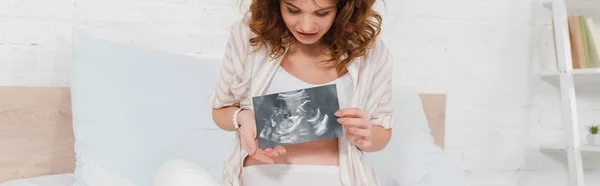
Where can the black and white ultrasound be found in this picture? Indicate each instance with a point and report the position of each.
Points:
(297, 116)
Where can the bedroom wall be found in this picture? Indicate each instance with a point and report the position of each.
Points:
(482, 54)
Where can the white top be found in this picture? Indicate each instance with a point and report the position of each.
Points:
(283, 81)
(291, 175)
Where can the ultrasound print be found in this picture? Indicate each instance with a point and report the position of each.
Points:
(297, 116)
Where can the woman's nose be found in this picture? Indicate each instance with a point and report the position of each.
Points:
(306, 24)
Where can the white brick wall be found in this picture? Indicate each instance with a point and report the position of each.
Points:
(483, 54)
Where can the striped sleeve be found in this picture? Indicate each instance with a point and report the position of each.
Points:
(223, 95)
(381, 90)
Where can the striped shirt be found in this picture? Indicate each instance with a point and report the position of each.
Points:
(245, 74)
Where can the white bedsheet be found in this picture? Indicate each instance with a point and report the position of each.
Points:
(48, 180)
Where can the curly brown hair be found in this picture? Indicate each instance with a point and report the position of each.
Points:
(355, 28)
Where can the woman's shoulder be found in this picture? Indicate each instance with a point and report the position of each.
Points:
(241, 33)
(378, 53)
(242, 26)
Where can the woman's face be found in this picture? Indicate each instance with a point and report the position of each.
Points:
(308, 20)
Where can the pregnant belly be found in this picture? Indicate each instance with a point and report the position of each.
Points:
(321, 152)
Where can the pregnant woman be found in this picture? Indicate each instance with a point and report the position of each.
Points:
(286, 45)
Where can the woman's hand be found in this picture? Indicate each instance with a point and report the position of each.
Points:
(250, 142)
(358, 126)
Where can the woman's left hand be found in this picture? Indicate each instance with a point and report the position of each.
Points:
(358, 126)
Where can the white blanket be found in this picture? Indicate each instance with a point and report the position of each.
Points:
(48, 180)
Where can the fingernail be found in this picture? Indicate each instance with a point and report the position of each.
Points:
(353, 130)
(338, 113)
(340, 120)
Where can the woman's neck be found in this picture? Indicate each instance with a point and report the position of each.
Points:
(315, 54)
(313, 50)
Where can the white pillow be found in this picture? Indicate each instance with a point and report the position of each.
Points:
(135, 108)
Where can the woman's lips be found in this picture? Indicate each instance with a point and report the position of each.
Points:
(307, 36)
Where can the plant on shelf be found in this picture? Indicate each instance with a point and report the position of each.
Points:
(593, 136)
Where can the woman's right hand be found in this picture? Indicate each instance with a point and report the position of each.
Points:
(250, 142)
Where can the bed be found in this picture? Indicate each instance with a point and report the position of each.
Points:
(36, 135)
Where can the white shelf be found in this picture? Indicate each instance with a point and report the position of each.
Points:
(588, 78)
(561, 148)
(578, 4)
(552, 148)
(585, 71)
(573, 84)
(590, 148)
(589, 8)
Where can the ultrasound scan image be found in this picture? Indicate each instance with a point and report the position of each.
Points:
(297, 116)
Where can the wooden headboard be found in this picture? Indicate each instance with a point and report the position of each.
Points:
(434, 106)
(36, 134)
